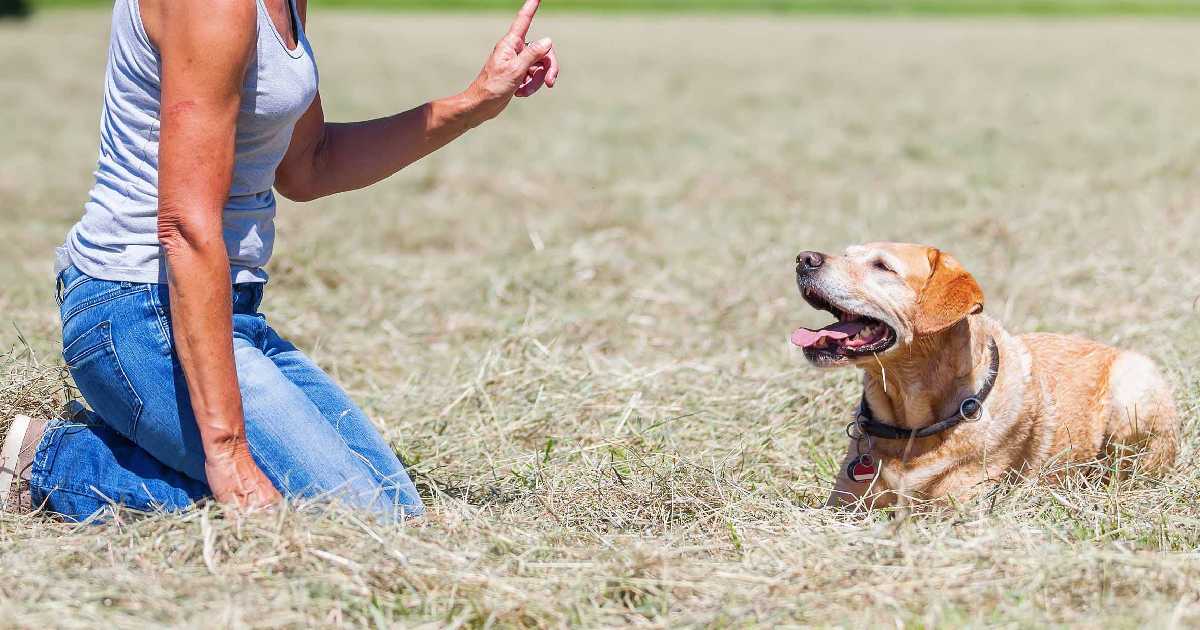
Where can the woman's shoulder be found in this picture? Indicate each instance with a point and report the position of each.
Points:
(176, 17)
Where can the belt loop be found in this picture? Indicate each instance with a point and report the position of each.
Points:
(257, 296)
(247, 296)
(58, 288)
(237, 298)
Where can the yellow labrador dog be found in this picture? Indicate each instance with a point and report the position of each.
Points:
(950, 398)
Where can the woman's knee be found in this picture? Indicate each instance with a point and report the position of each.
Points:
(317, 467)
(341, 413)
(288, 435)
(322, 425)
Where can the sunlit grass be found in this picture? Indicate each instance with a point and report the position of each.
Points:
(573, 324)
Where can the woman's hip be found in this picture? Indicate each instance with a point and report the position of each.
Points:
(115, 335)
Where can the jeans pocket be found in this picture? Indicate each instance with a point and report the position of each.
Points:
(90, 293)
(100, 377)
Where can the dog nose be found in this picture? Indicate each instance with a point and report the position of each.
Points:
(808, 262)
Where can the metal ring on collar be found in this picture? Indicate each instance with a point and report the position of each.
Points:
(971, 409)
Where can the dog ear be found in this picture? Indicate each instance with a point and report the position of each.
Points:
(949, 296)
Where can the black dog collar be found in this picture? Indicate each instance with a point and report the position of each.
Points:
(969, 410)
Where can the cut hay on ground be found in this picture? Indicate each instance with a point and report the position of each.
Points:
(574, 323)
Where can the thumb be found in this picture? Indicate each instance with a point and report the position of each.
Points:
(534, 52)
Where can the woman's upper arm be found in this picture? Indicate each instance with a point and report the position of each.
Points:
(205, 47)
(295, 172)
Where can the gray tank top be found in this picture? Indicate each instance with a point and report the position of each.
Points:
(117, 238)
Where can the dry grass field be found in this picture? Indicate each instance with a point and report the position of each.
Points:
(573, 324)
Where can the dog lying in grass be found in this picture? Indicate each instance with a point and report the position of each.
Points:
(951, 400)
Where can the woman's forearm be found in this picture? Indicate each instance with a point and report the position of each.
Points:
(202, 330)
(198, 270)
(349, 156)
(326, 159)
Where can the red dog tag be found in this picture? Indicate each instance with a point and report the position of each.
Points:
(862, 468)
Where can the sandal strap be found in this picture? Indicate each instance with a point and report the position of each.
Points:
(10, 455)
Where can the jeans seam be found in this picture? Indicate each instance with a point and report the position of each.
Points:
(160, 317)
(87, 353)
(94, 302)
(73, 359)
(137, 400)
(266, 463)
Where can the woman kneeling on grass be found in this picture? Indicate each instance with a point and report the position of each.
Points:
(209, 104)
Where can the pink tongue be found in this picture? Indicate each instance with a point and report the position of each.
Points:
(806, 338)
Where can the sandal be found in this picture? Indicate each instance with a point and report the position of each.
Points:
(16, 463)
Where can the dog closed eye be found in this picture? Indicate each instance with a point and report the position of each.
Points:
(883, 266)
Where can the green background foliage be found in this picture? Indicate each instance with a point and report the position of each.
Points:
(10, 8)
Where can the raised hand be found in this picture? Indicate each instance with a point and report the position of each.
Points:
(516, 67)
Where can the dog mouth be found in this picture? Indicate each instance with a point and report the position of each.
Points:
(852, 336)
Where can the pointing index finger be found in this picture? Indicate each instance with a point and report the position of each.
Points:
(520, 26)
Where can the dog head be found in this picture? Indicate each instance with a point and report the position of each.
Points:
(885, 296)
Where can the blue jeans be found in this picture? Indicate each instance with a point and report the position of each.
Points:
(141, 448)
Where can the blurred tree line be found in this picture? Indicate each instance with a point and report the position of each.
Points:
(14, 8)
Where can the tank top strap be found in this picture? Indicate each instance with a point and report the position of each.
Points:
(297, 25)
